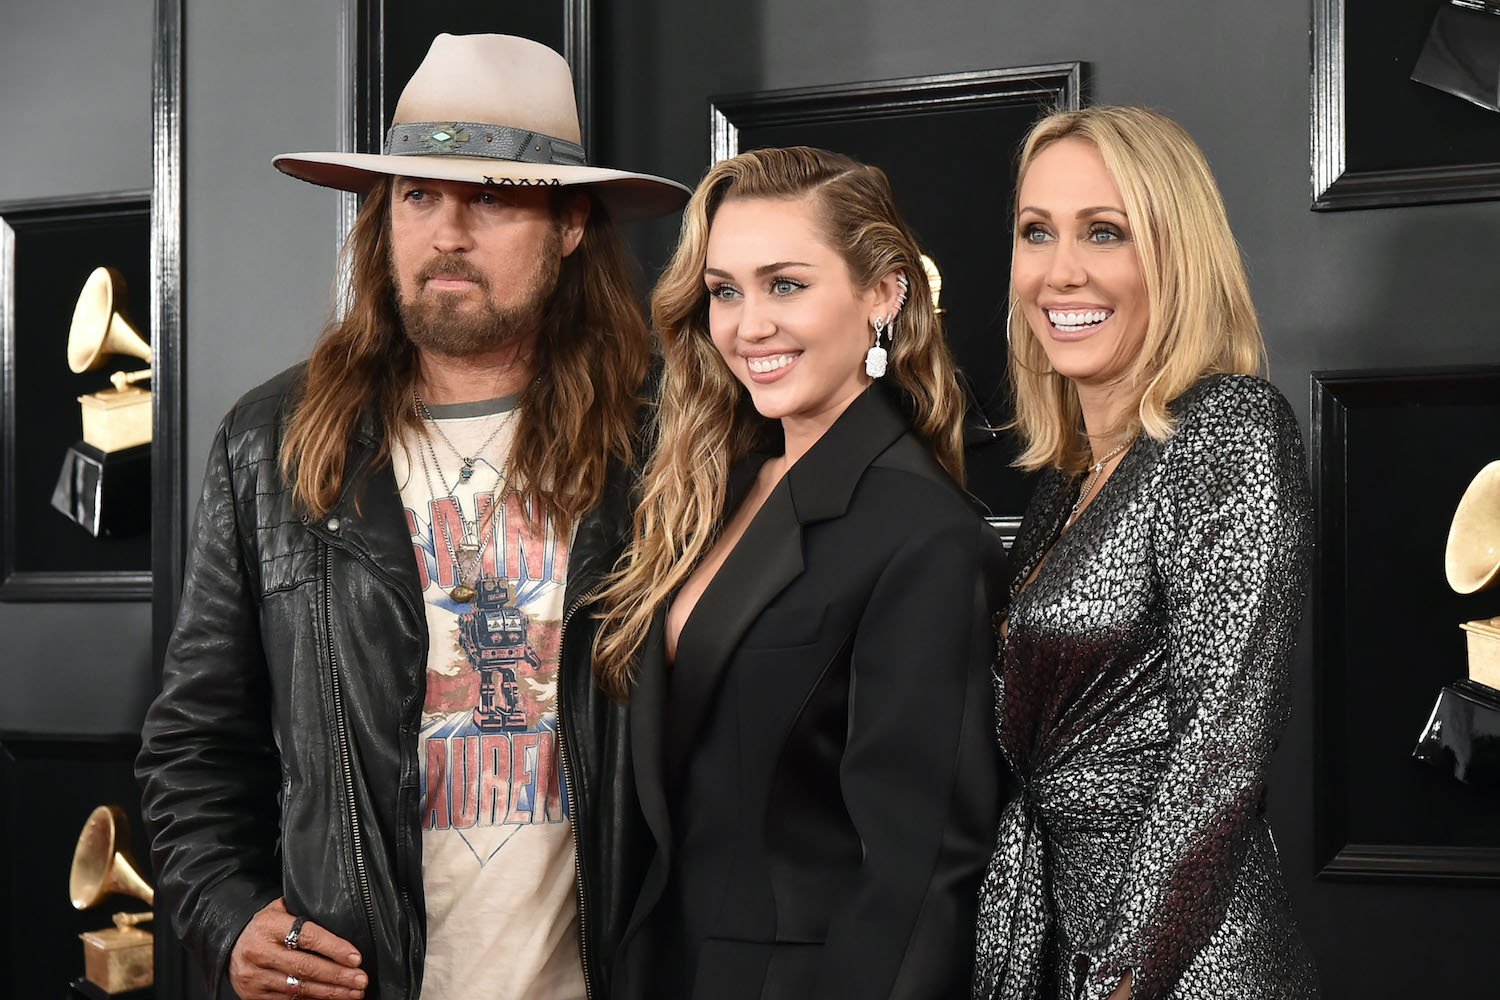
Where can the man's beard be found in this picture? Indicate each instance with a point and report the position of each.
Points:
(435, 322)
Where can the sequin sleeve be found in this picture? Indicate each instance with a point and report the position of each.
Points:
(1232, 545)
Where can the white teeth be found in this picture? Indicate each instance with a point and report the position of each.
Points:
(1071, 320)
(769, 364)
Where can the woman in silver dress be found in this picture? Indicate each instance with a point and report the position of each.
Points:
(1156, 586)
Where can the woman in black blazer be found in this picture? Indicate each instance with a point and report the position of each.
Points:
(801, 624)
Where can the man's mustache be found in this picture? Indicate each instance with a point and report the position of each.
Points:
(452, 266)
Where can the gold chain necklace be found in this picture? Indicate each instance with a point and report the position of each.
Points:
(1095, 471)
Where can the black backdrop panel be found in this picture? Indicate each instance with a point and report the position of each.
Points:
(1380, 138)
(1394, 453)
(1393, 122)
(410, 29)
(56, 246)
(949, 145)
(48, 787)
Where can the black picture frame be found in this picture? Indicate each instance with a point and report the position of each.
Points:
(1393, 451)
(950, 144)
(1379, 139)
(388, 41)
(49, 783)
(169, 516)
(48, 247)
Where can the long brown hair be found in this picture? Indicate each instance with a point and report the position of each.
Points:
(1202, 320)
(592, 356)
(705, 420)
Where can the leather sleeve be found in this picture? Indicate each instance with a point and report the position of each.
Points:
(920, 774)
(208, 766)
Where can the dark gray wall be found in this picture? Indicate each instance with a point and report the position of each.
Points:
(1389, 287)
(75, 117)
(261, 79)
(75, 111)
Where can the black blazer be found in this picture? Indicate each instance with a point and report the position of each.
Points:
(819, 772)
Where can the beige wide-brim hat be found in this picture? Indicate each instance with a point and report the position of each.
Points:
(490, 109)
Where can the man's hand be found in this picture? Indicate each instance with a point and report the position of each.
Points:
(324, 965)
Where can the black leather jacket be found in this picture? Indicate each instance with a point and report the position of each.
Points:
(280, 757)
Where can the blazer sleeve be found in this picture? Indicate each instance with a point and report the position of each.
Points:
(920, 774)
(1232, 550)
(208, 766)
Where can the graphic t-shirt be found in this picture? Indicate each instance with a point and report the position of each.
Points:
(498, 862)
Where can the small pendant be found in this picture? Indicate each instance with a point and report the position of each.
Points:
(467, 472)
(462, 593)
(875, 362)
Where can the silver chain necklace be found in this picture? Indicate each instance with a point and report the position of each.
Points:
(1095, 471)
(466, 555)
(467, 472)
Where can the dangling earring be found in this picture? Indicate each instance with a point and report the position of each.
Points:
(875, 357)
(885, 325)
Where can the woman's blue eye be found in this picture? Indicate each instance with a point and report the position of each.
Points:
(1033, 234)
(785, 286)
(1105, 234)
(721, 292)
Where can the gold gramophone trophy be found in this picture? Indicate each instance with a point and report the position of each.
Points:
(105, 481)
(1472, 564)
(120, 417)
(935, 282)
(119, 958)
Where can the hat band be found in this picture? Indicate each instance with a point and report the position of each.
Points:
(486, 142)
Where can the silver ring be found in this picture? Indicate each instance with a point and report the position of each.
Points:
(294, 937)
(295, 984)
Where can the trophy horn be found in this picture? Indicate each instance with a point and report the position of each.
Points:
(1472, 559)
(101, 866)
(99, 329)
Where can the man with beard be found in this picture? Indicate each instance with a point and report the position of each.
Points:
(378, 765)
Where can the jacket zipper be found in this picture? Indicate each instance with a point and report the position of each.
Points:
(361, 873)
(562, 751)
(421, 620)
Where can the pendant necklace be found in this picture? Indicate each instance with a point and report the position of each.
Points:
(466, 555)
(467, 472)
(1095, 471)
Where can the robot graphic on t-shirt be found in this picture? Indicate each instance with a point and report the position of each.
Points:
(493, 637)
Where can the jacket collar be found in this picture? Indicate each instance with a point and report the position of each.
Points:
(367, 518)
(767, 558)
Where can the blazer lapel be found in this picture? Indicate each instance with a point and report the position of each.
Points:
(647, 708)
(766, 559)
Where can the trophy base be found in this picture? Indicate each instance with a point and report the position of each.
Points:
(82, 989)
(107, 493)
(118, 960)
(1462, 735)
(1484, 651)
(116, 419)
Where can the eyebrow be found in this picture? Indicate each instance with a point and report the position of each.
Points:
(1082, 212)
(761, 271)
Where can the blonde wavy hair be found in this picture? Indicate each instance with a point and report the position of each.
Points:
(705, 419)
(1201, 321)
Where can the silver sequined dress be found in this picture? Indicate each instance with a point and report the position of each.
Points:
(1141, 687)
